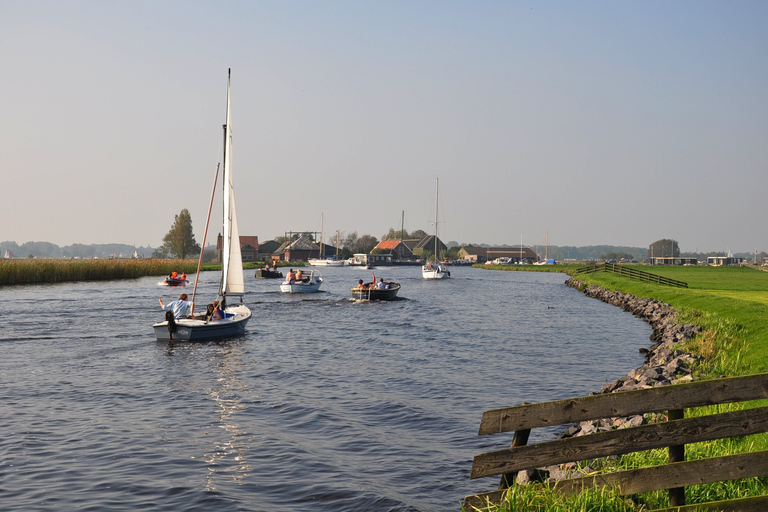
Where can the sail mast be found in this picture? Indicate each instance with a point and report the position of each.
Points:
(437, 196)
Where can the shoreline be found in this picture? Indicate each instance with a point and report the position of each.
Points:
(664, 365)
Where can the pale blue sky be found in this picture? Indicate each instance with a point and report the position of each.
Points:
(604, 122)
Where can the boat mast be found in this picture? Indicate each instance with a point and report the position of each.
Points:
(437, 197)
(226, 241)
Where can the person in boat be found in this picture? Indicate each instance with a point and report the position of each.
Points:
(291, 277)
(360, 285)
(174, 275)
(299, 276)
(183, 277)
(218, 314)
(180, 308)
(381, 285)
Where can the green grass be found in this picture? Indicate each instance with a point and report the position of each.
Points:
(731, 304)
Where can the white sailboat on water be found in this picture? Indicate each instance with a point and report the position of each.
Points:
(235, 316)
(435, 269)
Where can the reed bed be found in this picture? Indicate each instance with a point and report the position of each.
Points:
(38, 271)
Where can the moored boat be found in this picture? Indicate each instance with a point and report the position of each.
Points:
(369, 291)
(435, 269)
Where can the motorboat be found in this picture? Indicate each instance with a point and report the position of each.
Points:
(263, 273)
(370, 291)
(308, 282)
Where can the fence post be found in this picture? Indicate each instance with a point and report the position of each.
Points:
(676, 454)
(520, 439)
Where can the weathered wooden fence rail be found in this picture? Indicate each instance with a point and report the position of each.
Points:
(632, 273)
(673, 434)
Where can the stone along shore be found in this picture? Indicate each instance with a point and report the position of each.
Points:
(664, 364)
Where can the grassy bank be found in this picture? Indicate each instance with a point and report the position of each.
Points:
(34, 271)
(731, 304)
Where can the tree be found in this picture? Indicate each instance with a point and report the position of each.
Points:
(419, 234)
(180, 240)
(664, 249)
(366, 243)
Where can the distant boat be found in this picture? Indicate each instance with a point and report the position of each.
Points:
(435, 269)
(310, 282)
(370, 292)
(175, 281)
(327, 262)
(263, 273)
(236, 316)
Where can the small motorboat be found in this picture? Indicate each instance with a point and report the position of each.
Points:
(369, 291)
(175, 281)
(263, 273)
(309, 281)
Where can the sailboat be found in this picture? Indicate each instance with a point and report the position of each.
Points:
(235, 315)
(435, 269)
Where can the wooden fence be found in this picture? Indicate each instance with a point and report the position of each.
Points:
(673, 434)
(632, 273)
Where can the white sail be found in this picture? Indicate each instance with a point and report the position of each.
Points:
(232, 266)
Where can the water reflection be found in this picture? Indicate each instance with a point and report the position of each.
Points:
(229, 458)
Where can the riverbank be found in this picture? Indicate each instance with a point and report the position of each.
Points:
(716, 327)
(38, 271)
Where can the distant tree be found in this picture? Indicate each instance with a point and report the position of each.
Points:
(618, 256)
(393, 234)
(366, 243)
(180, 240)
(281, 239)
(349, 242)
(664, 248)
(419, 233)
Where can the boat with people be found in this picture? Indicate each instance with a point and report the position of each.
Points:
(434, 268)
(381, 290)
(175, 280)
(268, 273)
(226, 316)
(301, 281)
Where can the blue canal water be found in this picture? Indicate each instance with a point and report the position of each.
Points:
(325, 404)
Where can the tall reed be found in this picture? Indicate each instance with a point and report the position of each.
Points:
(39, 271)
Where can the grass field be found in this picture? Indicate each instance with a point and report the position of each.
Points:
(731, 304)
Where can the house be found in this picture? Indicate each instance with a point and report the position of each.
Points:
(267, 249)
(249, 247)
(474, 254)
(515, 254)
(671, 260)
(426, 247)
(373, 259)
(718, 261)
(397, 248)
(301, 249)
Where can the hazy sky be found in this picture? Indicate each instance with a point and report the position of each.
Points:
(610, 122)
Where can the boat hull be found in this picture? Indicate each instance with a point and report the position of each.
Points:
(200, 330)
(172, 281)
(439, 272)
(377, 294)
(268, 274)
(300, 287)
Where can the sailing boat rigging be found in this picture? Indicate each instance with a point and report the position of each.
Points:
(234, 316)
(435, 269)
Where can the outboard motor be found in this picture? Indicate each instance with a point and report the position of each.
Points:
(171, 323)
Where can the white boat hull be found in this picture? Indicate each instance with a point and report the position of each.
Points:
(300, 287)
(439, 272)
(325, 263)
(200, 330)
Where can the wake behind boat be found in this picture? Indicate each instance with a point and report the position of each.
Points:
(234, 316)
